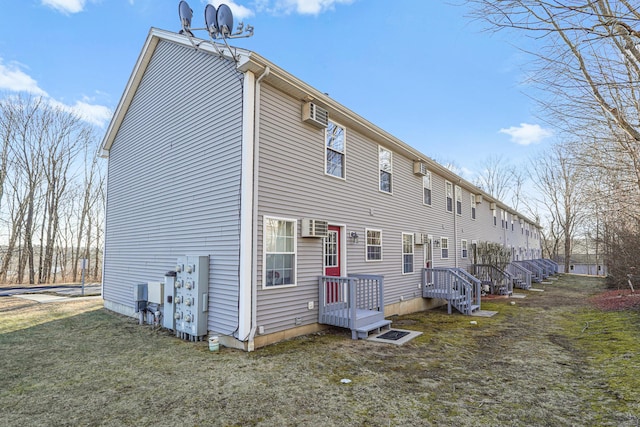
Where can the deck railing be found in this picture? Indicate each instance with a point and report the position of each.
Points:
(546, 268)
(553, 267)
(475, 283)
(340, 298)
(450, 285)
(521, 276)
(536, 272)
(500, 282)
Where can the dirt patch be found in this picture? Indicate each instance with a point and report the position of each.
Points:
(621, 299)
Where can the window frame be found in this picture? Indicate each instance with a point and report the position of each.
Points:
(444, 246)
(343, 153)
(457, 192)
(265, 253)
(472, 200)
(425, 188)
(411, 254)
(367, 245)
(464, 249)
(381, 149)
(448, 193)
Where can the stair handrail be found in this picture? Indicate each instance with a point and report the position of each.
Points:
(494, 274)
(519, 271)
(466, 292)
(476, 283)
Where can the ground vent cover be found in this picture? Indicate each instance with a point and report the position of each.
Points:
(394, 336)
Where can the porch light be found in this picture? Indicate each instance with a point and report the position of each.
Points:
(354, 237)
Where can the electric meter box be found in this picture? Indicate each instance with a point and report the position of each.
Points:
(191, 295)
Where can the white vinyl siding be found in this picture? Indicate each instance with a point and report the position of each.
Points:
(386, 169)
(426, 189)
(407, 253)
(335, 150)
(374, 245)
(279, 252)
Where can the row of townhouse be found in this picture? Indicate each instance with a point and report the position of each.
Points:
(224, 163)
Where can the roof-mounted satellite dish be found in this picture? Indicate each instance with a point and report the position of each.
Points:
(225, 20)
(211, 20)
(186, 14)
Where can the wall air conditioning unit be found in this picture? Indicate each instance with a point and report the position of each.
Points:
(419, 168)
(314, 115)
(419, 238)
(314, 228)
(492, 206)
(478, 198)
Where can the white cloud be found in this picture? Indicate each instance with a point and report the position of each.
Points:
(526, 133)
(303, 7)
(13, 79)
(239, 12)
(65, 6)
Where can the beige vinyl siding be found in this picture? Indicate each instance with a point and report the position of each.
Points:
(174, 179)
(292, 184)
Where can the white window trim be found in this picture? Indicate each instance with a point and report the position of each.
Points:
(474, 207)
(429, 188)
(442, 240)
(457, 196)
(464, 246)
(344, 152)
(380, 148)
(366, 246)
(264, 252)
(413, 253)
(448, 184)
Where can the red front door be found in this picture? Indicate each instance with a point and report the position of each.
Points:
(332, 262)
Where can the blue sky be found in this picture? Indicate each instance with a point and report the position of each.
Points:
(419, 69)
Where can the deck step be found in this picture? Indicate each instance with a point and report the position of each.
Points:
(362, 332)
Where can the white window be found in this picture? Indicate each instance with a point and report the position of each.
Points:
(335, 145)
(495, 218)
(449, 193)
(464, 248)
(473, 206)
(458, 200)
(444, 247)
(407, 253)
(279, 252)
(374, 245)
(426, 189)
(386, 169)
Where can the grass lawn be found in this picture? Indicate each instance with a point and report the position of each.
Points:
(551, 358)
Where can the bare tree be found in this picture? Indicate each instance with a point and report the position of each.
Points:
(558, 180)
(497, 176)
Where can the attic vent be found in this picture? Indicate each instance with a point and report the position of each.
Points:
(419, 168)
(314, 115)
(314, 228)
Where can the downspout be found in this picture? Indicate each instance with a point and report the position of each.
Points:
(254, 226)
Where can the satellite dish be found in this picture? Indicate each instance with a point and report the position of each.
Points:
(186, 14)
(225, 20)
(211, 20)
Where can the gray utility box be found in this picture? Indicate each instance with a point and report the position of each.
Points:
(168, 313)
(191, 295)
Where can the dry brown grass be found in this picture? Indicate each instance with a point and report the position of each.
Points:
(74, 363)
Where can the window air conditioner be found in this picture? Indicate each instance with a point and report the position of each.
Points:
(419, 168)
(492, 206)
(478, 198)
(314, 115)
(314, 228)
(419, 238)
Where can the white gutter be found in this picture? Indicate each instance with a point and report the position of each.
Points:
(254, 249)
